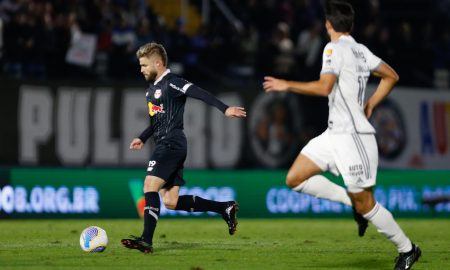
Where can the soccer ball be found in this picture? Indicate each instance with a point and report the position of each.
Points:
(93, 239)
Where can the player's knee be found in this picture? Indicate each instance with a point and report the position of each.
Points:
(293, 180)
(358, 207)
(151, 185)
(147, 186)
(363, 202)
(362, 207)
(170, 203)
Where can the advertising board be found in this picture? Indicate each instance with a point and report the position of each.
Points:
(108, 193)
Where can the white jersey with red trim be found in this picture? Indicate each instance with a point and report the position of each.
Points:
(352, 63)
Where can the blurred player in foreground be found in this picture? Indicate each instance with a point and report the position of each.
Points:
(166, 98)
(348, 146)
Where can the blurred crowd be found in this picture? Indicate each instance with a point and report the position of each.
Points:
(283, 38)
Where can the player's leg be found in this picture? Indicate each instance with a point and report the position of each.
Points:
(366, 205)
(189, 203)
(170, 196)
(192, 203)
(299, 179)
(358, 165)
(228, 210)
(163, 163)
(303, 176)
(357, 162)
(152, 184)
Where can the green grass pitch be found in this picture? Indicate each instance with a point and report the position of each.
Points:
(205, 244)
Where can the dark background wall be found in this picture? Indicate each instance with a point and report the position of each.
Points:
(90, 46)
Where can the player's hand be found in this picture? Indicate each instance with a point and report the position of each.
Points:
(274, 84)
(368, 109)
(235, 112)
(136, 144)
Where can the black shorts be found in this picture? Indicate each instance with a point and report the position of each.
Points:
(167, 163)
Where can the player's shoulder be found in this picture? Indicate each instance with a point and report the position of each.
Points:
(352, 43)
(331, 49)
(177, 82)
(365, 48)
(343, 42)
(330, 45)
(171, 77)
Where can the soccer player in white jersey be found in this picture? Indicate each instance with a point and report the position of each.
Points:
(348, 145)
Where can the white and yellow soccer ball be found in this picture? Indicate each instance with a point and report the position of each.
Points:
(93, 239)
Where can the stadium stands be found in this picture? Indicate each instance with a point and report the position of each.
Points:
(277, 37)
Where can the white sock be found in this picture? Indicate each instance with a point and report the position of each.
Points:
(383, 220)
(319, 186)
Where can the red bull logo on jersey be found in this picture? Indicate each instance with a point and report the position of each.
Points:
(154, 109)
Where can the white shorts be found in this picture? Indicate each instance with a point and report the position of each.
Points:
(353, 155)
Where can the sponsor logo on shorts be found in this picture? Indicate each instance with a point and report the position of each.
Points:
(356, 170)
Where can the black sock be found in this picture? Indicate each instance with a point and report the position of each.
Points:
(186, 203)
(151, 214)
(192, 203)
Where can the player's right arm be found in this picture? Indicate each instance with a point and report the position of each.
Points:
(331, 66)
(388, 79)
(321, 87)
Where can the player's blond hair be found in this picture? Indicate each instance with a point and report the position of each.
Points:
(150, 49)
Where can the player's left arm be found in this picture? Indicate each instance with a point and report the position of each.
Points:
(203, 95)
(388, 79)
(321, 87)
